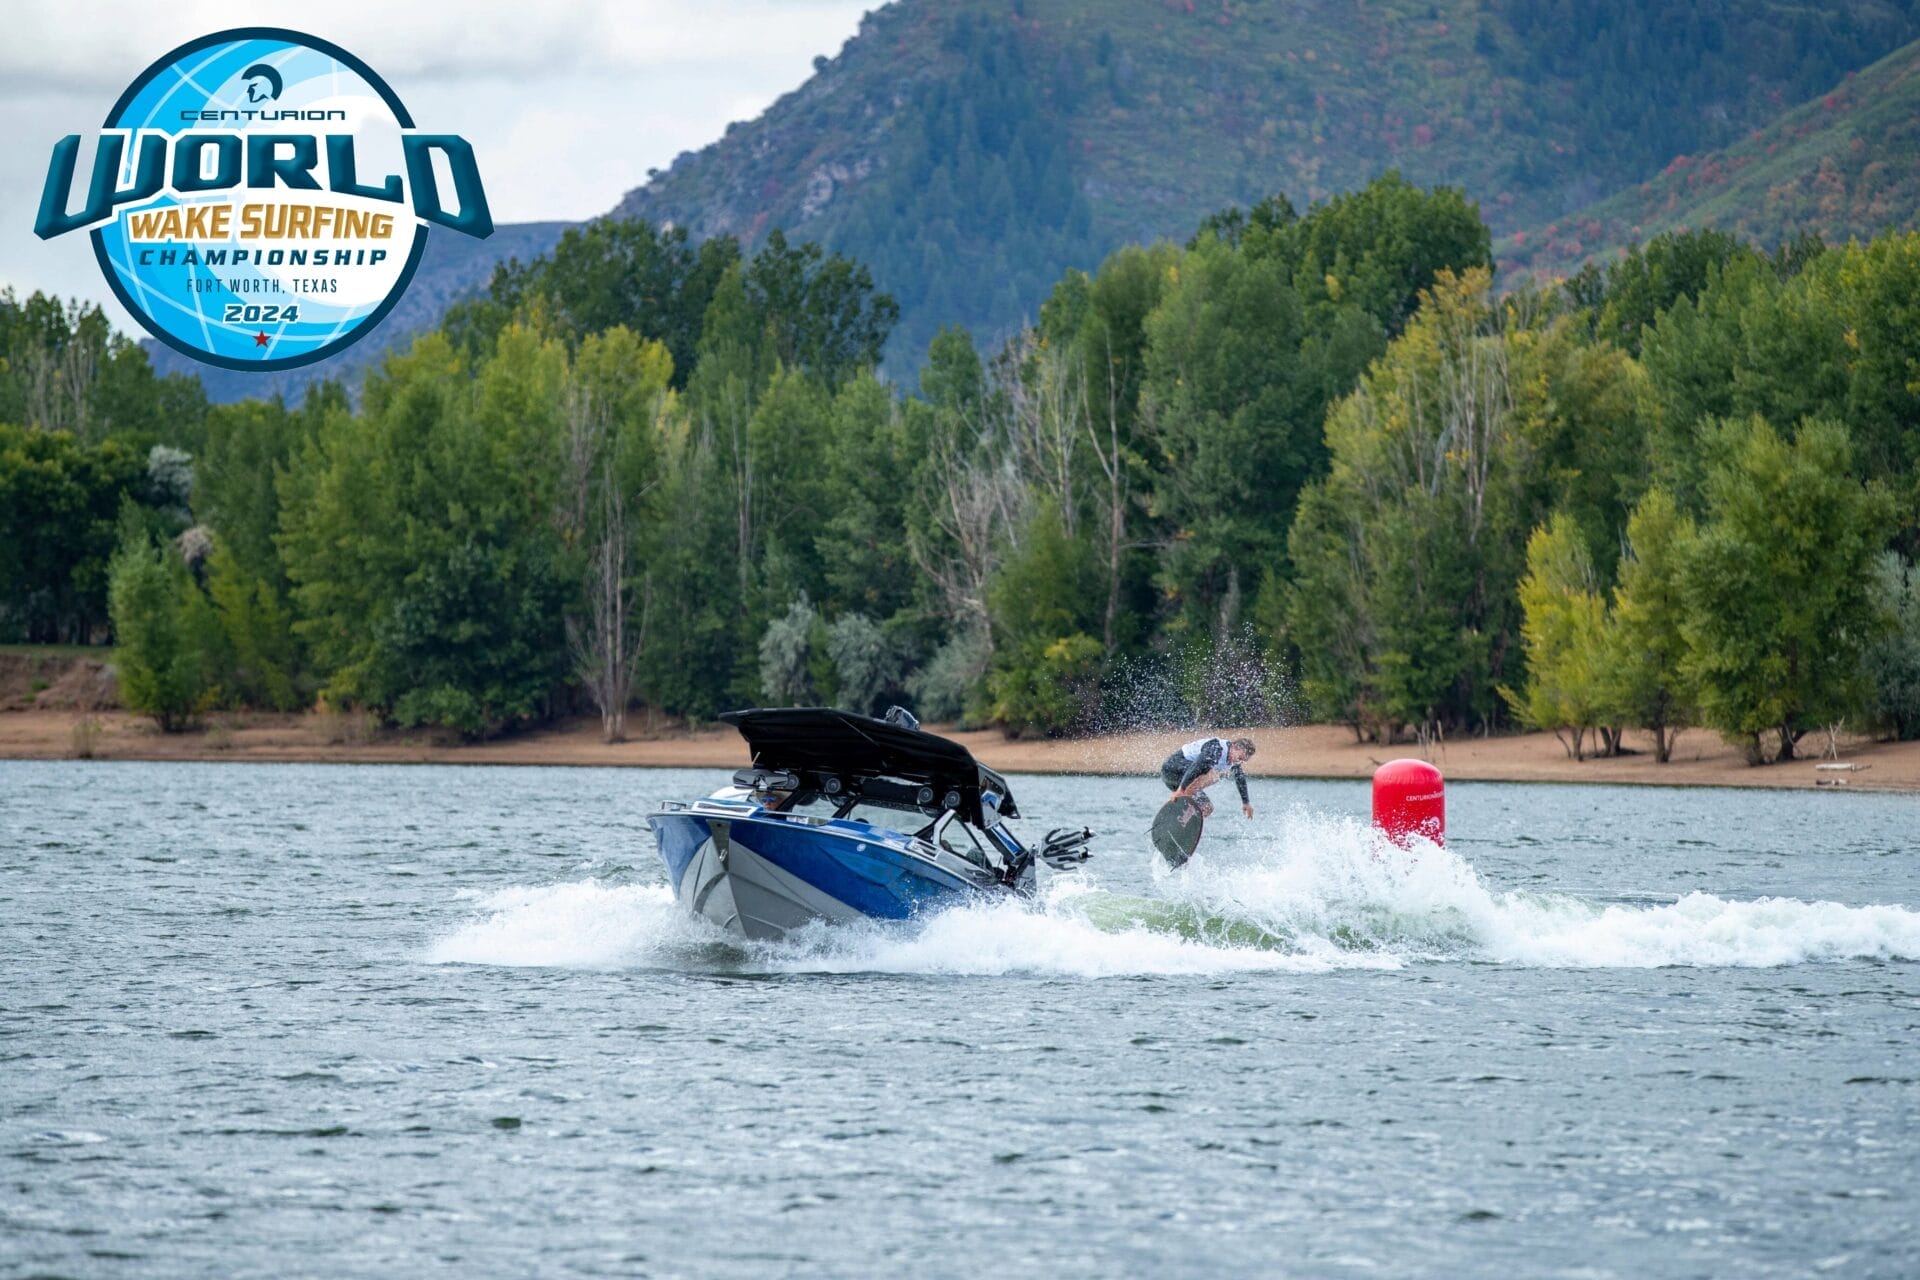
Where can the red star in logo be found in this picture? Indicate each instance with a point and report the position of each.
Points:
(259, 339)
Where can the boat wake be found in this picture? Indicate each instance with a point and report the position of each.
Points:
(1324, 895)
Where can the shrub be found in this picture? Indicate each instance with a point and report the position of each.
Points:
(784, 650)
(1047, 689)
(866, 664)
(947, 688)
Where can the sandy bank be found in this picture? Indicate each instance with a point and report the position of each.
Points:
(1312, 751)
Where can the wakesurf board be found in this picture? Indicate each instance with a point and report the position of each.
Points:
(1178, 826)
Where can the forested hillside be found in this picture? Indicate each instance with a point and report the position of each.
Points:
(1845, 164)
(969, 152)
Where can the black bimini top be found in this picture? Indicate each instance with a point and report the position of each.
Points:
(820, 742)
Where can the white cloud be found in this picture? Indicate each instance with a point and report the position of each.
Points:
(567, 103)
(91, 44)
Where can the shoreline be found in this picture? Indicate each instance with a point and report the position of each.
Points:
(1304, 752)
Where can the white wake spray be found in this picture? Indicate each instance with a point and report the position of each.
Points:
(579, 924)
(1326, 893)
(1334, 883)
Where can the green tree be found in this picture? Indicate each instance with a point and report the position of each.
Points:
(235, 483)
(1234, 418)
(1043, 602)
(614, 400)
(167, 641)
(1431, 657)
(694, 657)
(1833, 339)
(1779, 584)
(820, 312)
(1879, 290)
(1654, 276)
(1414, 538)
(63, 368)
(781, 492)
(421, 540)
(1325, 609)
(1375, 250)
(261, 661)
(59, 510)
(1893, 661)
(864, 560)
(1098, 327)
(970, 497)
(236, 491)
(609, 273)
(1587, 412)
(1690, 354)
(1566, 635)
(1255, 335)
(1645, 664)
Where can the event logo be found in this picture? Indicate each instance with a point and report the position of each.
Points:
(228, 208)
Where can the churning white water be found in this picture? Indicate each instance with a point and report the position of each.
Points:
(1317, 893)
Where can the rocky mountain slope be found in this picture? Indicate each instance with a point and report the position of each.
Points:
(968, 152)
(971, 150)
(1845, 165)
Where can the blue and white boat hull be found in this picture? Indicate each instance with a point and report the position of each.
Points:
(761, 875)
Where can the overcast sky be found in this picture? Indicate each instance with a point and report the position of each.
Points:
(567, 103)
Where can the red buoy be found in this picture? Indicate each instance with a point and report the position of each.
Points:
(1410, 799)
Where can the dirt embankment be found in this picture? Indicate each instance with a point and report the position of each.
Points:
(1308, 751)
(56, 679)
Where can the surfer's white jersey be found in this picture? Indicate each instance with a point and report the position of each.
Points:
(1200, 757)
(1192, 751)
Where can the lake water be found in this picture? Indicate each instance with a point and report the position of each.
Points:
(343, 1021)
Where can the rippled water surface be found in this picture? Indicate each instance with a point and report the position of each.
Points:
(279, 1019)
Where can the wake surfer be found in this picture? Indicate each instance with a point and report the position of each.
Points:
(1203, 762)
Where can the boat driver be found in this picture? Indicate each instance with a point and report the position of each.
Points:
(1203, 762)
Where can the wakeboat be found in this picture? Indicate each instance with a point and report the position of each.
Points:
(845, 817)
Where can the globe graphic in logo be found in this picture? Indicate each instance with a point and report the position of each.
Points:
(291, 215)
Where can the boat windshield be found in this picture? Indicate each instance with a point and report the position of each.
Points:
(949, 831)
(815, 805)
